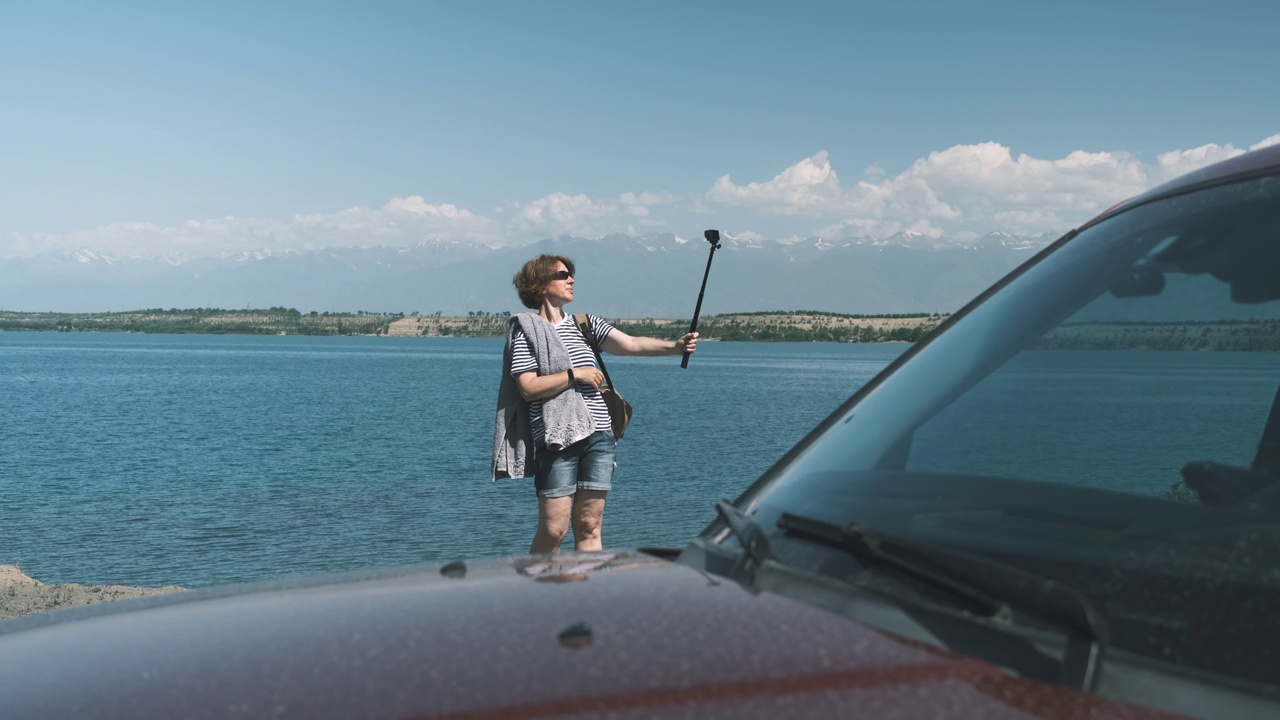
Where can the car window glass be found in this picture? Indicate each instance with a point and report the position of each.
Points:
(1145, 342)
(1120, 395)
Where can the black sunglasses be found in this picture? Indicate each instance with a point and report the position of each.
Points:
(561, 275)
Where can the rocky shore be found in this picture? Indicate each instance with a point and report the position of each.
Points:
(23, 595)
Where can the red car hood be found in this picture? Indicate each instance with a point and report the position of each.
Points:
(617, 634)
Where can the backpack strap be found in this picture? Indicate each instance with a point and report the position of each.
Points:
(584, 326)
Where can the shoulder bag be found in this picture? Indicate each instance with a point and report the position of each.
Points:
(619, 408)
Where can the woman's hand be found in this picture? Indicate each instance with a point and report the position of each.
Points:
(589, 376)
(687, 343)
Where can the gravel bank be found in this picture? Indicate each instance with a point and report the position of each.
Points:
(23, 595)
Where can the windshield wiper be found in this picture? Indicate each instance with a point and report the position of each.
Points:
(986, 586)
(755, 544)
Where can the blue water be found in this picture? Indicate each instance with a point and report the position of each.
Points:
(205, 459)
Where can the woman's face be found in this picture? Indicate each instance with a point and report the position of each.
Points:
(560, 292)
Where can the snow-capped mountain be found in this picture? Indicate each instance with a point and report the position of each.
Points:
(654, 275)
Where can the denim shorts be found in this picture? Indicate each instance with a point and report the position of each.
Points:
(585, 465)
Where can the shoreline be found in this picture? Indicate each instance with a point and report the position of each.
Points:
(774, 326)
(21, 594)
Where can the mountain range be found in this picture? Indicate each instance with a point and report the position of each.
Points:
(617, 276)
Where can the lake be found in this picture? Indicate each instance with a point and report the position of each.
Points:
(206, 459)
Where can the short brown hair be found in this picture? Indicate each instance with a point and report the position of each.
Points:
(532, 278)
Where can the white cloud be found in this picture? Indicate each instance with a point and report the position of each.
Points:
(559, 213)
(401, 221)
(1273, 140)
(749, 236)
(193, 238)
(563, 214)
(1179, 162)
(963, 192)
(808, 187)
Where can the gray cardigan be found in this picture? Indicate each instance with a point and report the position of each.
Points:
(565, 417)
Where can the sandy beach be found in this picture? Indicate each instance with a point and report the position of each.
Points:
(24, 595)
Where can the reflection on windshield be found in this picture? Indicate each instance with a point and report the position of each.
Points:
(1099, 420)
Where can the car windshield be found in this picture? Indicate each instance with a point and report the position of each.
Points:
(1108, 418)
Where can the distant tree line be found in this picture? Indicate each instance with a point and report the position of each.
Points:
(765, 327)
(821, 313)
(1220, 336)
(780, 326)
(776, 326)
(270, 321)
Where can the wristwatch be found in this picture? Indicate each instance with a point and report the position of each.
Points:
(571, 380)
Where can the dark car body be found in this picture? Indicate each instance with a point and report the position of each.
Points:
(868, 573)
(585, 635)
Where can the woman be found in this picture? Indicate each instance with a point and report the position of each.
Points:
(550, 411)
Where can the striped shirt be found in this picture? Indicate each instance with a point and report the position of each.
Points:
(580, 355)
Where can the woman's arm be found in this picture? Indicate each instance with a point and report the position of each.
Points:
(536, 387)
(620, 343)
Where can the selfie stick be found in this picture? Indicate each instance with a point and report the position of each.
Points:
(713, 237)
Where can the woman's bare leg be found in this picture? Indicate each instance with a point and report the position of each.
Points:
(588, 519)
(553, 524)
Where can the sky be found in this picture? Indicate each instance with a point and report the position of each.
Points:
(192, 129)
